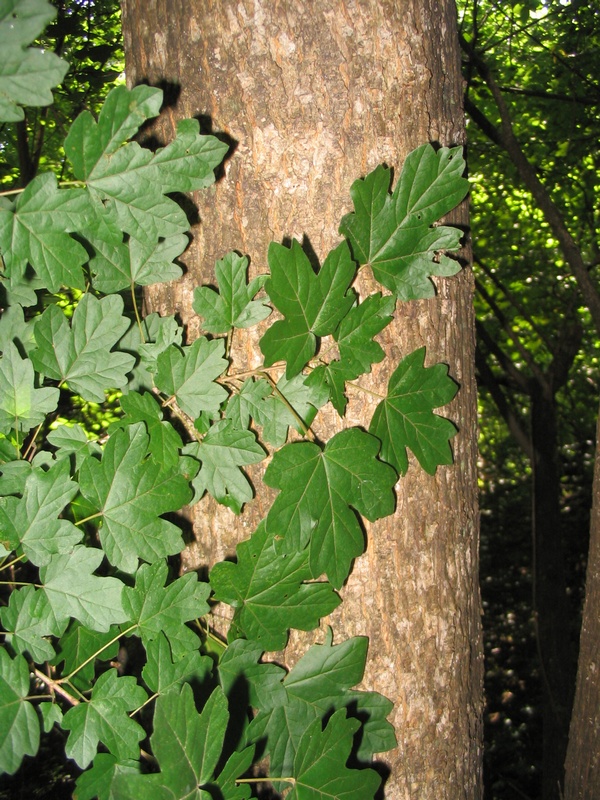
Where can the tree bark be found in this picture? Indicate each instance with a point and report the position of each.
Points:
(314, 95)
(582, 767)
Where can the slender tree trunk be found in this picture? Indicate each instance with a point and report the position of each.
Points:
(550, 602)
(314, 95)
(582, 768)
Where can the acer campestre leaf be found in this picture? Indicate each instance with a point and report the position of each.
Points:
(81, 354)
(320, 765)
(27, 74)
(233, 305)
(187, 746)
(96, 782)
(163, 673)
(155, 608)
(130, 183)
(18, 721)
(121, 265)
(165, 442)
(269, 591)
(395, 234)
(104, 719)
(130, 492)
(28, 620)
(32, 522)
(222, 452)
(22, 405)
(319, 683)
(320, 489)
(190, 373)
(312, 304)
(405, 419)
(74, 591)
(77, 646)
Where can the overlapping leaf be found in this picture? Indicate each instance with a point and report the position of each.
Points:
(321, 682)
(130, 183)
(394, 233)
(81, 354)
(74, 591)
(130, 492)
(187, 746)
(32, 521)
(222, 452)
(18, 720)
(36, 231)
(28, 620)
(154, 607)
(121, 265)
(270, 591)
(233, 305)
(165, 442)
(312, 304)
(405, 419)
(357, 349)
(27, 74)
(22, 404)
(190, 374)
(320, 489)
(80, 645)
(104, 719)
(320, 769)
(162, 673)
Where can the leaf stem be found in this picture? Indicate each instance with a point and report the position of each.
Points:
(11, 563)
(31, 444)
(87, 519)
(266, 778)
(55, 686)
(137, 314)
(149, 700)
(97, 653)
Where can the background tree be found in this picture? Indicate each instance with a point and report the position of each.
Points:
(533, 101)
(310, 96)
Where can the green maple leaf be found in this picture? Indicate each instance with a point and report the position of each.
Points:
(159, 332)
(320, 765)
(260, 684)
(74, 591)
(22, 405)
(122, 265)
(319, 490)
(187, 746)
(405, 418)
(165, 442)
(222, 452)
(128, 182)
(312, 305)
(189, 373)
(320, 682)
(36, 231)
(269, 591)
(130, 491)
(394, 233)
(96, 782)
(76, 647)
(18, 721)
(81, 354)
(28, 620)
(155, 608)
(27, 74)
(232, 306)
(104, 718)
(163, 674)
(356, 347)
(14, 328)
(72, 441)
(32, 523)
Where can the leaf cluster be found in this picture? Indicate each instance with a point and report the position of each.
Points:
(102, 636)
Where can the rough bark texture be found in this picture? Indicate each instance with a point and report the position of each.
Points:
(582, 768)
(316, 94)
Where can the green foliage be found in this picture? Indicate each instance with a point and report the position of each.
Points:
(87, 525)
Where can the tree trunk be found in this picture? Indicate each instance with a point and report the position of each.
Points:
(582, 768)
(550, 601)
(314, 95)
